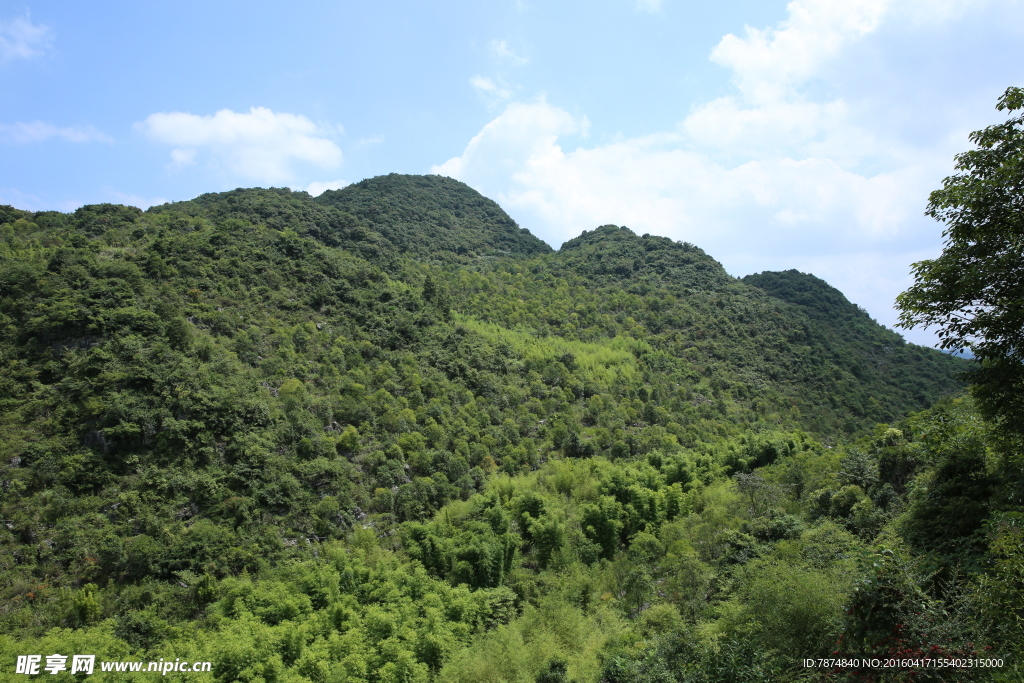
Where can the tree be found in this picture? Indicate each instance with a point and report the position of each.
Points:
(554, 673)
(1000, 593)
(974, 291)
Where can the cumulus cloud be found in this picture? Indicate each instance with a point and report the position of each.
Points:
(766, 63)
(37, 131)
(21, 39)
(772, 116)
(793, 160)
(787, 171)
(522, 135)
(259, 145)
(657, 184)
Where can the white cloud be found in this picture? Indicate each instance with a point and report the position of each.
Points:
(767, 62)
(37, 131)
(259, 145)
(502, 51)
(660, 184)
(21, 39)
(788, 104)
(318, 188)
(523, 133)
(488, 89)
(652, 6)
(771, 152)
(786, 127)
(788, 171)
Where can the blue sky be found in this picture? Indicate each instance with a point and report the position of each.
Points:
(803, 135)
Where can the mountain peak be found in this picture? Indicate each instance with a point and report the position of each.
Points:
(816, 297)
(616, 252)
(428, 215)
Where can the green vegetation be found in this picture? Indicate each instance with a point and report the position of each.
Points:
(385, 435)
(432, 216)
(974, 291)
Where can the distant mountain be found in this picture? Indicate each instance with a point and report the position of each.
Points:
(789, 330)
(849, 335)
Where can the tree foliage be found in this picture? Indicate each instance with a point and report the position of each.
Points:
(974, 291)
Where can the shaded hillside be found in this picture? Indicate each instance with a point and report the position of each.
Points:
(381, 219)
(856, 340)
(826, 305)
(434, 215)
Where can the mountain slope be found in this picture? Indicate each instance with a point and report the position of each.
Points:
(761, 353)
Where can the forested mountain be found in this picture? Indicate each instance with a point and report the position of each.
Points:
(387, 435)
(433, 216)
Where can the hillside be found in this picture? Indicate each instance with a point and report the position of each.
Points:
(346, 438)
(759, 354)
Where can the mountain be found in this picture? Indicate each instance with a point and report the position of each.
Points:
(433, 215)
(761, 353)
(347, 438)
(611, 254)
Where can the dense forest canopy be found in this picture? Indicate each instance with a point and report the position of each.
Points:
(387, 435)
